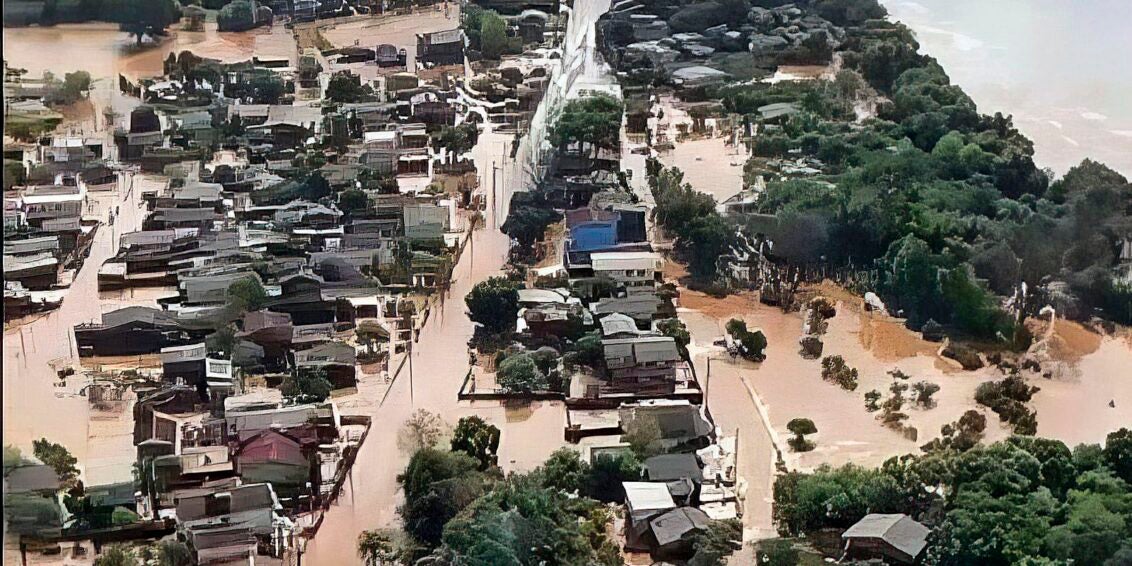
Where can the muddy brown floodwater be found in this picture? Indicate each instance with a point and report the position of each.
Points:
(104, 51)
(34, 407)
(1072, 406)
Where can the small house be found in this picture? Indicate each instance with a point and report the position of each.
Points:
(891, 537)
(441, 48)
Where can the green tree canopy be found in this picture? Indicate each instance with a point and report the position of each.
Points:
(477, 438)
(494, 303)
(520, 373)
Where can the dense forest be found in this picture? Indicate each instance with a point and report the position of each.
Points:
(946, 204)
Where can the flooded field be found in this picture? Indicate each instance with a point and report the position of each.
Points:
(790, 386)
(400, 30)
(105, 52)
(711, 165)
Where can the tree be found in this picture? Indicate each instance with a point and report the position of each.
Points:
(717, 542)
(565, 471)
(528, 224)
(437, 486)
(422, 430)
(247, 294)
(147, 17)
(58, 458)
(375, 548)
(593, 121)
(117, 555)
(521, 522)
(519, 373)
(493, 35)
(675, 329)
(353, 201)
(776, 552)
(13, 459)
(222, 342)
(238, 15)
(456, 139)
(347, 87)
(314, 187)
(265, 88)
(643, 435)
(703, 241)
(494, 303)
(1118, 453)
(477, 438)
(72, 88)
(607, 474)
(173, 553)
(800, 428)
(307, 385)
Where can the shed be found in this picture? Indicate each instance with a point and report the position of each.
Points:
(890, 536)
(675, 530)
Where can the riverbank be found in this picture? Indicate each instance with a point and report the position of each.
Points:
(1032, 67)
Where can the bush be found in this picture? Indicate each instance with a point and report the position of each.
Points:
(1008, 399)
(835, 369)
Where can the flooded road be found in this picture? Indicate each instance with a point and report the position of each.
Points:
(33, 406)
(440, 362)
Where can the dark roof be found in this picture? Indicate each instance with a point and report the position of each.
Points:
(676, 524)
(580, 215)
(185, 214)
(221, 536)
(243, 498)
(896, 529)
(147, 315)
(111, 495)
(33, 477)
(668, 467)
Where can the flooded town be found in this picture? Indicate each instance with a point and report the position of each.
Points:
(489, 282)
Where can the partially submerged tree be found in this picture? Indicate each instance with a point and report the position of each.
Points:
(494, 303)
(752, 345)
(147, 17)
(801, 427)
(477, 438)
(834, 368)
(519, 373)
(422, 430)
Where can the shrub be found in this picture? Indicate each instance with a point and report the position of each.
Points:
(835, 369)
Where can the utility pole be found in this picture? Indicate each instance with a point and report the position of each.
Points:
(494, 218)
(707, 381)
